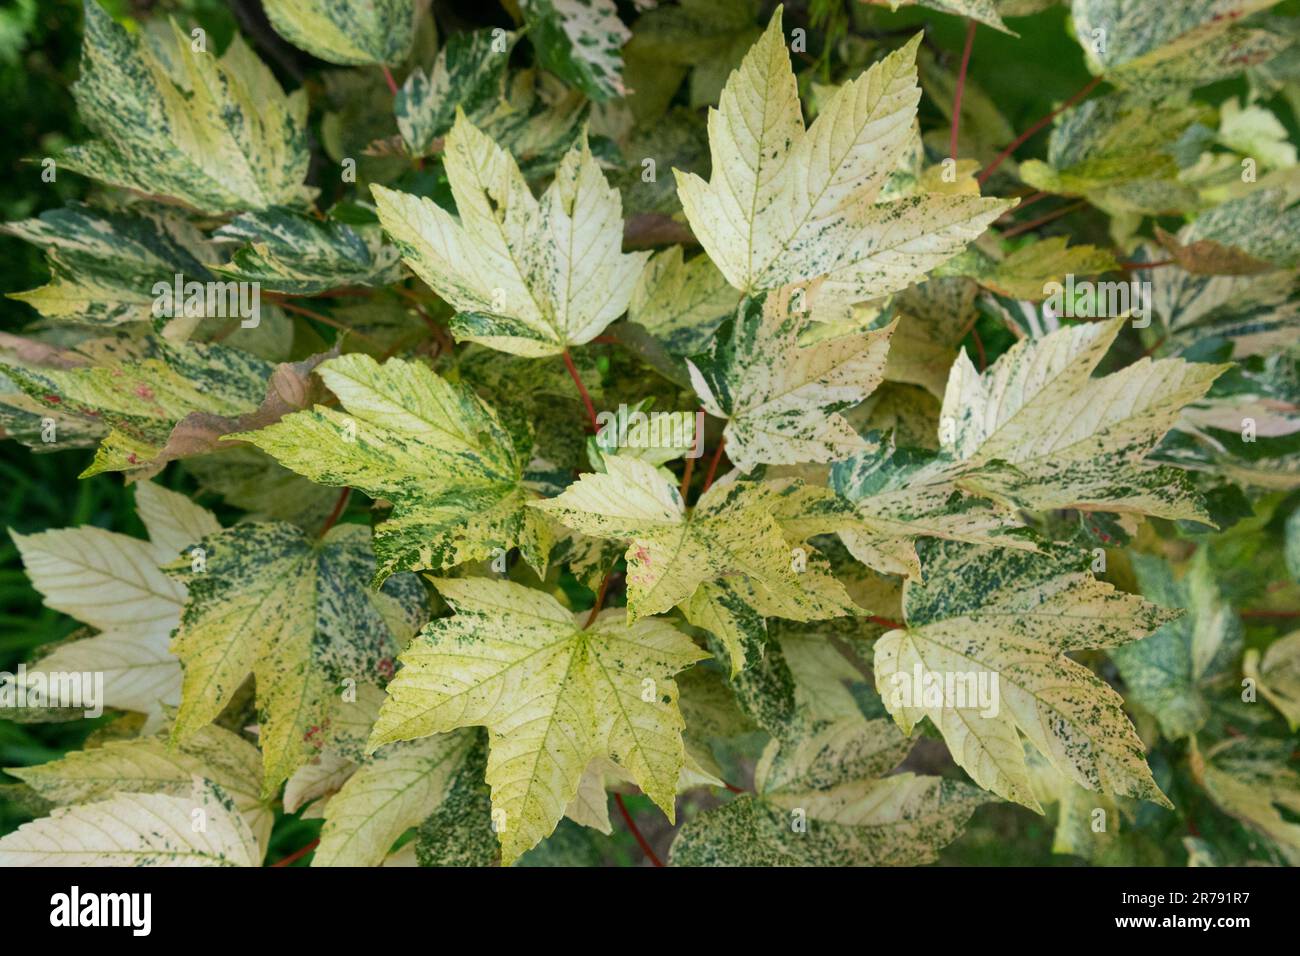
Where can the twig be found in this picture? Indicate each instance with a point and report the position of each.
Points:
(631, 825)
(337, 513)
(979, 347)
(600, 599)
(1015, 144)
(1044, 220)
(1027, 201)
(297, 855)
(713, 465)
(327, 320)
(961, 88)
(582, 390)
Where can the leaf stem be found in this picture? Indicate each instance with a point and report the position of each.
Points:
(600, 599)
(337, 513)
(886, 622)
(631, 825)
(388, 78)
(1044, 220)
(582, 390)
(297, 855)
(713, 465)
(1016, 143)
(686, 478)
(961, 88)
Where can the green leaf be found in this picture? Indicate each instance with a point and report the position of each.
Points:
(350, 34)
(432, 448)
(104, 264)
(296, 613)
(218, 134)
(285, 251)
(579, 41)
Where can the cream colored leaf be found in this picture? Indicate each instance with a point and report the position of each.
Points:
(526, 276)
(553, 694)
(138, 829)
(787, 205)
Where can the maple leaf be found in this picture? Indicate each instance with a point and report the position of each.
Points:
(111, 582)
(526, 276)
(350, 34)
(1073, 440)
(433, 448)
(268, 599)
(553, 693)
(150, 765)
(782, 398)
(821, 800)
(998, 614)
(137, 829)
(788, 205)
(216, 133)
(672, 551)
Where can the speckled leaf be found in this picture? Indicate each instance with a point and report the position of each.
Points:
(142, 389)
(781, 398)
(1259, 224)
(469, 74)
(1153, 49)
(903, 820)
(104, 263)
(296, 612)
(553, 694)
(216, 133)
(1025, 273)
(1250, 778)
(150, 765)
(681, 303)
(580, 41)
(1012, 617)
(394, 790)
(1073, 440)
(786, 205)
(138, 829)
(431, 447)
(347, 32)
(286, 251)
(527, 276)
(672, 551)
(982, 11)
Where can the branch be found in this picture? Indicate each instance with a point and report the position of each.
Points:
(961, 88)
(1019, 140)
(631, 825)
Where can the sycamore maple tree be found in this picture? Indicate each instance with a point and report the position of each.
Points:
(407, 575)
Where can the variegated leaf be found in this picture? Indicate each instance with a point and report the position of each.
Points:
(527, 276)
(296, 612)
(553, 693)
(348, 33)
(217, 133)
(433, 448)
(787, 205)
(983, 656)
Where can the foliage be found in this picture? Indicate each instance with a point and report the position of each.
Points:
(429, 421)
